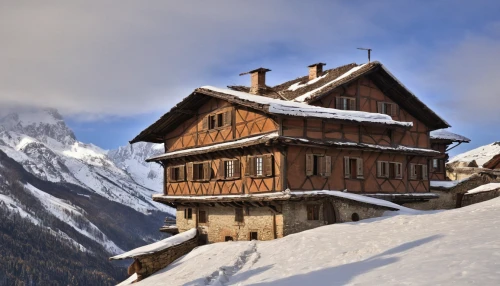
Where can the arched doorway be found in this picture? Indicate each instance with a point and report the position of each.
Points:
(328, 212)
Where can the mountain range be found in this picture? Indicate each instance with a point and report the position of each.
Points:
(93, 201)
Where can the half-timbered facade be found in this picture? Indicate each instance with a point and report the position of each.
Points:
(261, 162)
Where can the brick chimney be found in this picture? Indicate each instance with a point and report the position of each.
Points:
(258, 79)
(315, 70)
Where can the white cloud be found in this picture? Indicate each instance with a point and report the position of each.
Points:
(129, 57)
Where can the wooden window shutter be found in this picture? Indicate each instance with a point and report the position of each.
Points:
(359, 164)
(189, 171)
(169, 174)
(249, 168)
(236, 166)
(221, 172)
(309, 164)
(338, 102)
(399, 168)
(207, 170)
(181, 173)
(321, 165)
(204, 123)
(380, 107)
(413, 176)
(268, 165)
(352, 104)
(227, 118)
(347, 168)
(424, 172)
(394, 109)
(387, 172)
(379, 168)
(328, 166)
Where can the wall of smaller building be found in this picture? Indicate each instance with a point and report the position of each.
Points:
(470, 199)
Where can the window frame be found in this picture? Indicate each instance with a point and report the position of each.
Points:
(197, 171)
(342, 100)
(312, 212)
(384, 170)
(188, 213)
(266, 169)
(347, 168)
(440, 165)
(382, 108)
(239, 218)
(217, 120)
(180, 174)
(424, 172)
(200, 216)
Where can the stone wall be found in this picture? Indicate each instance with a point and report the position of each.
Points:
(221, 223)
(146, 265)
(470, 199)
(295, 213)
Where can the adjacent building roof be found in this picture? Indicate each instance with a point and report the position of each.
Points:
(443, 134)
(480, 155)
(292, 98)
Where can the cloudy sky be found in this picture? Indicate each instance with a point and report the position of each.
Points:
(113, 67)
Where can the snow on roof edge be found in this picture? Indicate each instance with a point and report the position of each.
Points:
(447, 135)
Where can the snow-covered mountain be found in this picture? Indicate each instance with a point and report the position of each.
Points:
(85, 187)
(481, 154)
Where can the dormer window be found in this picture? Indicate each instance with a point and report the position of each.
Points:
(346, 103)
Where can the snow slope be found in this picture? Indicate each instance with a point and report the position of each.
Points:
(455, 247)
(481, 154)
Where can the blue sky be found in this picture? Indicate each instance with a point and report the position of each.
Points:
(112, 72)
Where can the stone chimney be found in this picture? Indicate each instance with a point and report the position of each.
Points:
(258, 79)
(315, 70)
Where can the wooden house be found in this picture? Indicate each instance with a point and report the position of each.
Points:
(262, 162)
(440, 141)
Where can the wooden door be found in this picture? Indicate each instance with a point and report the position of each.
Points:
(459, 200)
(328, 213)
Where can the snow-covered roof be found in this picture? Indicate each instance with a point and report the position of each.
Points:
(278, 106)
(219, 146)
(286, 195)
(481, 154)
(159, 245)
(484, 188)
(444, 134)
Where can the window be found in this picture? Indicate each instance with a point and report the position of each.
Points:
(313, 212)
(188, 213)
(259, 166)
(437, 165)
(199, 171)
(391, 170)
(238, 215)
(202, 216)
(254, 235)
(387, 108)
(346, 103)
(176, 173)
(318, 165)
(353, 168)
(418, 172)
(217, 120)
(229, 169)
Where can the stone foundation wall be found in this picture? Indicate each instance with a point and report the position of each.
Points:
(470, 199)
(146, 265)
(295, 213)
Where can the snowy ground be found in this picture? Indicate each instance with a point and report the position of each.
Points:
(455, 247)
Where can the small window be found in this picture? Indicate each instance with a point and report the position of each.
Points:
(254, 235)
(259, 166)
(238, 215)
(188, 213)
(212, 121)
(217, 120)
(313, 212)
(202, 216)
(229, 169)
(176, 173)
(355, 217)
(418, 172)
(201, 171)
(391, 170)
(353, 168)
(228, 238)
(346, 103)
(318, 165)
(387, 108)
(437, 165)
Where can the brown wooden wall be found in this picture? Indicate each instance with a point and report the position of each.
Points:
(441, 147)
(367, 96)
(297, 179)
(245, 122)
(215, 186)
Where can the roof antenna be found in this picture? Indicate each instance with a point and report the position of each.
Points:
(369, 52)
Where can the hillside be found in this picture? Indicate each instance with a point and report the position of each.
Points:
(455, 247)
